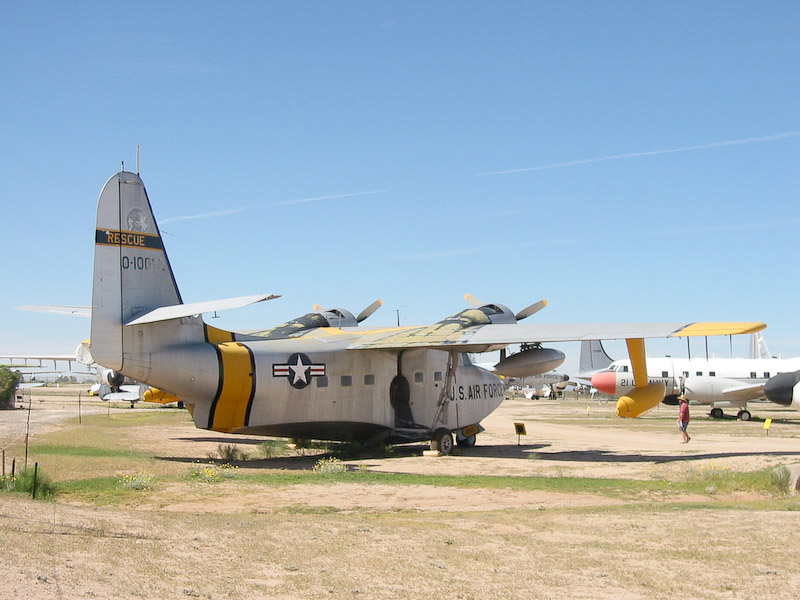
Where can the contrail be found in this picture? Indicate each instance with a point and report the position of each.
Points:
(233, 211)
(754, 140)
(336, 197)
(208, 215)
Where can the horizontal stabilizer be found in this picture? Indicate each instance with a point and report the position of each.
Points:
(177, 311)
(73, 311)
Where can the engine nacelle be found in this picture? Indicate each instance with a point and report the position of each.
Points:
(498, 313)
(707, 390)
(784, 389)
(115, 379)
(640, 400)
(529, 362)
(336, 317)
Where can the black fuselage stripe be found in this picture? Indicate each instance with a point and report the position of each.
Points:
(213, 408)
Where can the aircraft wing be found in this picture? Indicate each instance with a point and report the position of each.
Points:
(744, 392)
(477, 338)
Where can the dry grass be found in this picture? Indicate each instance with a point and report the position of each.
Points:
(244, 538)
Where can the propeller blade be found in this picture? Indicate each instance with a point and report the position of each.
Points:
(369, 310)
(533, 308)
(473, 300)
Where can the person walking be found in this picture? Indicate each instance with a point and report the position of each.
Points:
(683, 418)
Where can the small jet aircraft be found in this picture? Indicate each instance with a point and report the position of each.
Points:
(718, 382)
(320, 376)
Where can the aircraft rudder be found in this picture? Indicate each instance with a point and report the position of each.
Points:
(132, 274)
(593, 357)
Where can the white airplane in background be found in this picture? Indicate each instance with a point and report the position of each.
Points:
(110, 386)
(317, 377)
(718, 382)
(546, 385)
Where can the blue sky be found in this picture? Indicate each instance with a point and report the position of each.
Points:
(626, 161)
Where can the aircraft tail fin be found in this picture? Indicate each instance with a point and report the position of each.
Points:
(132, 274)
(593, 359)
(758, 346)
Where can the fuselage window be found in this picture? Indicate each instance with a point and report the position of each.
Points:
(699, 373)
(437, 375)
(752, 374)
(322, 381)
(665, 373)
(369, 379)
(712, 373)
(686, 373)
(419, 377)
(624, 368)
(766, 375)
(347, 380)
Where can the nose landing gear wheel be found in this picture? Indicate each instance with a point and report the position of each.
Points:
(442, 441)
(467, 442)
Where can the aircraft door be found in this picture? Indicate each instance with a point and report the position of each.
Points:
(400, 399)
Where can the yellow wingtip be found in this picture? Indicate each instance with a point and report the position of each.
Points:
(721, 328)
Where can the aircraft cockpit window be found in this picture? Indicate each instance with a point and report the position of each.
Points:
(419, 377)
(346, 380)
(322, 381)
(369, 379)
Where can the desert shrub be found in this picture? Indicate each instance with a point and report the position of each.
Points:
(272, 448)
(230, 452)
(22, 481)
(139, 481)
(780, 478)
(330, 466)
(211, 472)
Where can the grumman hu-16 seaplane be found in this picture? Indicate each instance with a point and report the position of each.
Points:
(319, 376)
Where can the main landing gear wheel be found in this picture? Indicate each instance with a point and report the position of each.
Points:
(744, 415)
(442, 441)
(716, 413)
(467, 442)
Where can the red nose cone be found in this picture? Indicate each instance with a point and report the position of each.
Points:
(605, 381)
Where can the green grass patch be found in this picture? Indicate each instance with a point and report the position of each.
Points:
(24, 481)
(64, 450)
(98, 490)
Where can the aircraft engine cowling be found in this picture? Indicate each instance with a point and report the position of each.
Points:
(321, 317)
(707, 389)
(498, 313)
(784, 389)
(115, 379)
(534, 360)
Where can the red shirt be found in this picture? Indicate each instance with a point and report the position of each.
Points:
(683, 415)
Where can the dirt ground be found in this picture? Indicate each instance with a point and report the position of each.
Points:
(360, 540)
